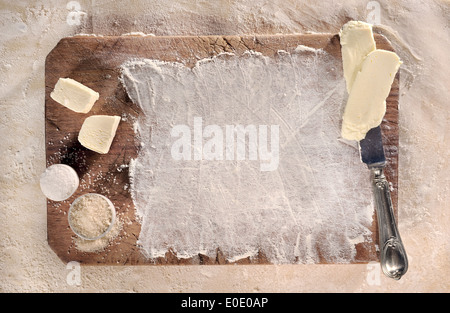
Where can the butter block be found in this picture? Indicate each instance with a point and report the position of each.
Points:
(366, 104)
(357, 42)
(98, 132)
(74, 95)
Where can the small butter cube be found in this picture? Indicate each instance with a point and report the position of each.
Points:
(98, 131)
(74, 95)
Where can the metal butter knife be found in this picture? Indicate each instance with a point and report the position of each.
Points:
(393, 259)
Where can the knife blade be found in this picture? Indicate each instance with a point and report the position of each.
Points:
(393, 258)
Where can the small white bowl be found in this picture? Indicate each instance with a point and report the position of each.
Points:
(59, 182)
(113, 216)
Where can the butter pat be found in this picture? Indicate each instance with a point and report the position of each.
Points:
(366, 103)
(74, 95)
(356, 43)
(98, 131)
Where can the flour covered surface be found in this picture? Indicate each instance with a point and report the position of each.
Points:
(243, 153)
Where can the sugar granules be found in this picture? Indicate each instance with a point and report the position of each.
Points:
(91, 216)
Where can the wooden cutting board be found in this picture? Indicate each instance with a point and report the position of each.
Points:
(95, 62)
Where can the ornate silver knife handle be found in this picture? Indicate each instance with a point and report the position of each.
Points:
(393, 259)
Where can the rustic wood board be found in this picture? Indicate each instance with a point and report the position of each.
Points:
(95, 62)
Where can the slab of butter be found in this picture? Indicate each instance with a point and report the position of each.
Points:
(357, 42)
(98, 131)
(74, 95)
(366, 104)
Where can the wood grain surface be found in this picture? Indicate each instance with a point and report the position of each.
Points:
(95, 62)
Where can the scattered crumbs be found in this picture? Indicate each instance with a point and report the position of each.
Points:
(122, 167)
(138, 34)
(303, 48)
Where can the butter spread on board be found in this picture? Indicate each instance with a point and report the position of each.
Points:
(98, 131)
(369, 73)
(366, 104)
(74, 95)
(356, 43)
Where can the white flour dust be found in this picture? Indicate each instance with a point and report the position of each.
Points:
(59, 181)
(319, 193)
